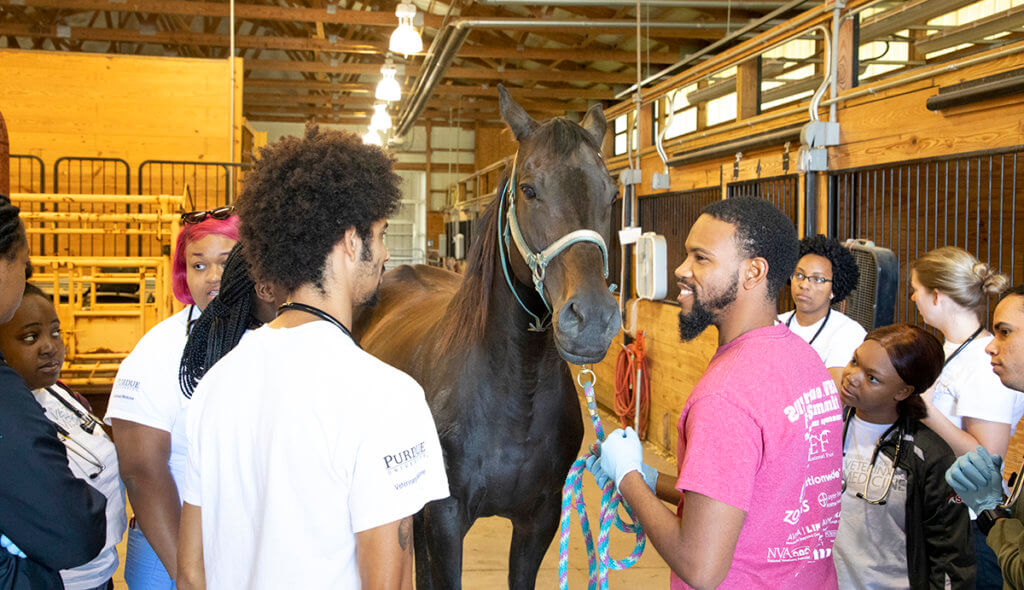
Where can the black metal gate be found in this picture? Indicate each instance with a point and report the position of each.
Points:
(964, 200)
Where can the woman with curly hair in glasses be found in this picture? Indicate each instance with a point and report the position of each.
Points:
(147, 406)
(825, 274)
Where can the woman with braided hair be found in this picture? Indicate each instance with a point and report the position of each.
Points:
(147, 406)
(41, 533)
(241, 305)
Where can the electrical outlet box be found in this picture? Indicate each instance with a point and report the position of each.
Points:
(812, 160)
(820, 134)
(651, 269)
(631, 176)
(659, 181)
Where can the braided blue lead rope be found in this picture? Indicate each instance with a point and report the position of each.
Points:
(599, 562)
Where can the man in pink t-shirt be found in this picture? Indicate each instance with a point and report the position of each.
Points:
(760, 438)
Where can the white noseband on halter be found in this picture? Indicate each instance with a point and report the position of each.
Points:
(537, 261)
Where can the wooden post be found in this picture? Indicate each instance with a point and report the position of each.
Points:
(846, 77)
(748, 88)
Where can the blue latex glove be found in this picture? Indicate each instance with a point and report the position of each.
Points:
(594, 467)
(11, 547)
(621, 453)
(977, 478)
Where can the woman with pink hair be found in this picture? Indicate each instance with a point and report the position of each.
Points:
(147, 407)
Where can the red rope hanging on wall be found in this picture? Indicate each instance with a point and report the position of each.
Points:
(632, 362)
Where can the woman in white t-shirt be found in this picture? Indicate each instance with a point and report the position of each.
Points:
(32, 345)
(824, 275)
(147, 407)
(968, 405)
(242, 305)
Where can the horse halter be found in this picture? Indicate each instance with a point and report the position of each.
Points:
(537, 261)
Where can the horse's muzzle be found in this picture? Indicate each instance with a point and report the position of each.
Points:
(585, 326)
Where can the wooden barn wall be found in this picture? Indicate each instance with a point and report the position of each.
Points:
(890, 126)
(135, 108)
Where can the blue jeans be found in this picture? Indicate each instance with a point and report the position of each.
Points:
(990, 577)
(142, 568)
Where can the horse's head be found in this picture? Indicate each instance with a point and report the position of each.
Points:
(561, 186)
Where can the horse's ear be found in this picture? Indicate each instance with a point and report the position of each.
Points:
(521, 123)
(595, 123)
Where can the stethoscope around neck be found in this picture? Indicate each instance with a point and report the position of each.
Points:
(88, 423)
(900, 431)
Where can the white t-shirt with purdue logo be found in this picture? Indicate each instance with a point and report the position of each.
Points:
(297, 440)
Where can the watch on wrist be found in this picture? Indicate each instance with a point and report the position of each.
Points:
(987, 518)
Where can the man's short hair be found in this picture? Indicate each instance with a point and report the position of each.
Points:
(303, 194)
(762, 231)
(1014, 290)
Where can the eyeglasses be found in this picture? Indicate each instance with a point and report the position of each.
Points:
(220, 214)
(815, 279)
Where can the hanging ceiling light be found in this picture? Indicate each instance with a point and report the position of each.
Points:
(405, 39)
(388, 88)
(372, 138)
(381, 120)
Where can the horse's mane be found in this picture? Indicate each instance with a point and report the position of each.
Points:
(466, 318)
(468, 309)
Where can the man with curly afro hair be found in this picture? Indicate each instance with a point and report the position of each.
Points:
(757, 484)
(824, 276)
(307, 457)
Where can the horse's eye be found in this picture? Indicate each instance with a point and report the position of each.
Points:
(528, 191)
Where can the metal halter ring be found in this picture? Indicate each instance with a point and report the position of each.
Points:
(586, 371)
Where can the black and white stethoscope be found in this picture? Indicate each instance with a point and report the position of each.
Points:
(316, 311)
(900, 433)
(822, 327)
(88, 423)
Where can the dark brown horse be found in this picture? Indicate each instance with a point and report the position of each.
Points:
(501, 394)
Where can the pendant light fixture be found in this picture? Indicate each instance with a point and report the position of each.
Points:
(388, 88)
(381, 120)
(371, 137)
(405, 39)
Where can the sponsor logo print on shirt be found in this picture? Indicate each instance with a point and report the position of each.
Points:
(816, 402)
(402, 463)
(817, 445)
(122, 386)
(784, 554)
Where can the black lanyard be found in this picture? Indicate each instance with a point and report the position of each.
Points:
(320, 314)
(820, 328)
(963, 346)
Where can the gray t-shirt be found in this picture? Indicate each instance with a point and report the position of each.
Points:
(871, 547)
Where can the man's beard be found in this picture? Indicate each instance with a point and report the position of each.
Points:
(702, 314)
(372, 300)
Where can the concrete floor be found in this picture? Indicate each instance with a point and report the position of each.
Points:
(486, 548)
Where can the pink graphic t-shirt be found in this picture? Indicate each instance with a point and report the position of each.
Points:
(763, 431)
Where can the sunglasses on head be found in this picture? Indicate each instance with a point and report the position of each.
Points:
(220, 214)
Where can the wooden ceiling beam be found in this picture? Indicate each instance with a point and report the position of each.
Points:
(465, 168)
(554, 93)
(541, 75)
(260, 12)
(271, 99)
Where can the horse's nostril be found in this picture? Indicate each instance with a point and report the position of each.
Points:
(576, 311)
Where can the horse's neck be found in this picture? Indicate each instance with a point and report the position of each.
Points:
(522, 353)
